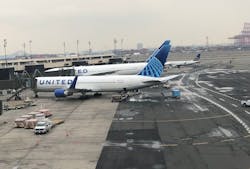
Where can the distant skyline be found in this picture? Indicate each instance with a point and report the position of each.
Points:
(51, 23)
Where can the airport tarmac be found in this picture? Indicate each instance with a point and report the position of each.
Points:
(75, 144)
(206, 128)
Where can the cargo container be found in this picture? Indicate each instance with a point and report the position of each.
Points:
(33, 114)
(30, 124)
(40, 117)
(27, 117)
(46, 112)
(20, 122)
(176, 93)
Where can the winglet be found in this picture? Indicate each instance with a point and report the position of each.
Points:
(73, 84)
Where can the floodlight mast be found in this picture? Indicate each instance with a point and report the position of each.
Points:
(5, 45)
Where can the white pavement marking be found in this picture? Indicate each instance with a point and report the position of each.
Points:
(176, 120)
(247, 112)
(218, 105)
(200, 108)
(227, 140)
(169, 145)
(221, 99)
(247, 136)
(223, 108)
(185, 139)
(197, 83)
(234, 105)
(201, 143)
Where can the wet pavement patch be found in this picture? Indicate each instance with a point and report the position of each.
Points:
(140, 134)
(132, 146)
(130, 158)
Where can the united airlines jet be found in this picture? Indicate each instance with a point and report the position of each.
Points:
(148, 76)
(119, 69)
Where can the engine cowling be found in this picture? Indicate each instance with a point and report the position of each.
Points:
(62, 93)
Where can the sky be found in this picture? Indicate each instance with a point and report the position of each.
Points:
(49, 23)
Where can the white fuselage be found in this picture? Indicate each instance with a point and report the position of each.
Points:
(116, 69)
(180, 63)
(111, 83)
(49, 84)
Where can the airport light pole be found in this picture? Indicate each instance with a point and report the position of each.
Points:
(24, 45)
(77, 48)
(207, 44)
(115, 42)
(30, 41)
(5, 45)
(64, 46)
(89, 47)
(121, 46)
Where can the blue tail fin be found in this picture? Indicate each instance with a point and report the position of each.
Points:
(155, 65)
(197, 57)
(167, 42)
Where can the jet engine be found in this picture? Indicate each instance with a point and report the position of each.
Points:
(62, 93)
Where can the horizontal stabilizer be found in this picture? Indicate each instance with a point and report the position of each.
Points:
(103, 73)
(167, 78)
(163, 79)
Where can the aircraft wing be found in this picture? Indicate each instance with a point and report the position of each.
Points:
(103, 73)
(167, 78)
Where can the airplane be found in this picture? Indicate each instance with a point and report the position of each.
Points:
(119, 69)
(178, 64)
(63, 86)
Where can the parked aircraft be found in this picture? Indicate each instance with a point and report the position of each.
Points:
(184, 63)
(119, 69)
(148, 76)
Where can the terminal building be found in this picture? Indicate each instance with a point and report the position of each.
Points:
(59, 61)
(17, 73)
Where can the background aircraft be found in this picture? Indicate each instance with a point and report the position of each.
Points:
(184, 63)
(119, 69)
